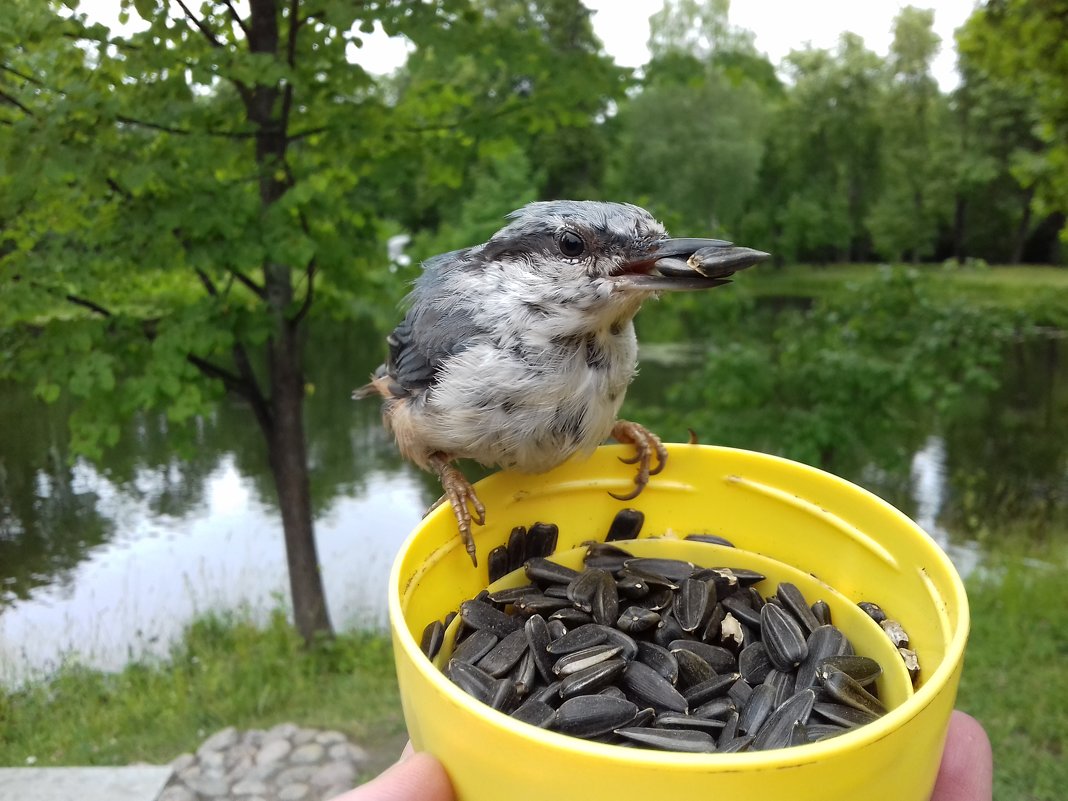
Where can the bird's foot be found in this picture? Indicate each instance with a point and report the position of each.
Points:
(461, 496)
(647, 443)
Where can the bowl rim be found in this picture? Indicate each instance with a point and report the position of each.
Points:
(852, 740)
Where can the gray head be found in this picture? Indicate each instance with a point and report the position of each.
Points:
(616, 242)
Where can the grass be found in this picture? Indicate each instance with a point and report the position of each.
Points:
(1037, 291)
(1015, 679)
(225, 672)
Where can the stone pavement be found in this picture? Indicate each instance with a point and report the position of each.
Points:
(284, 763)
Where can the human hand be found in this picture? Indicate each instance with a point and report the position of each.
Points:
(967, 770)
(966, 773)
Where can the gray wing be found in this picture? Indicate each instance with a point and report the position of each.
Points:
(433, 330)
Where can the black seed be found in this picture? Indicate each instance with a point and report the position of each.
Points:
(692, 668)
(525, 674)
(475, 646)
(874, 611)
(593, 715)
(694, 603)
(537, 604)
(497, 563)
(592, 679)
(626, 525)
(541, 539)
(716, 708)
(572, 618)
(753, 663)
(668, 630)
(541, 569)
(756, 710)
(630, 586)
(636, 619)
(645, 686)
(783, 638)
(587, 657)
(517, 548)
(737, 745)
(659, 659)
(502, 598)
(673, 570)
(585, 636)
(535, 712)
(822, 612)
(684, 740)
(795, 602)
(538, 639)
(557, 629)
(814, 732)
(861, 669)
(721, 660)
(729, 730)
(627, 644)
(605, 556)
(473, 681)
(582, 589)
(778, 727)
(825, 641)
(433, 637)
(672, 720)
(505, 654)
(782, 683)
(483, 615)
(711, 539)
(843, 715)
(846, 690)
(739, 692)
(606, 601)
(714, 687)
(739, 606)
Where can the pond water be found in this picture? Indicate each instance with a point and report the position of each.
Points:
(111, 561)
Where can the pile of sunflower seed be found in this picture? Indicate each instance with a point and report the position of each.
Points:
(658, 653)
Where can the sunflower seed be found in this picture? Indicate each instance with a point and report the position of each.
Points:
(684, 740)
(692, 668)
(843, 715)
(636, 619)
(795, 602)
(783, 638)
(648, 687)
(848, 691)
(671, 720)
(896, 632)
(912, 663)
(606, 601)
(472, 680)
(606, 556)
(525, 674)
(585, 636)
(536, 603)
(822, 612)
(433, 637)
(625, 525)
(861, 669)
(872, 610)
(756, 709)
(517, 548)
(497, 563)
(732, 634)
(571, 618)
(535, 712)
(711, 539)
(753, 663)
(505, 696)
(541, 539)
(627, 644)
(505, 654)
(475, 646)
(738, 606)
(777, 729)
(582, 588)
(502, 598)
(721, 660)
(659, 659)
(593, 715)
(739, 692)
(814, 732)
(737, 745)
(580, 660)
(824, 642)
(716, 708)
(485, 616)
(704, 691)
(729, 730)
(591, 679)
(673, 570)
(541, 569)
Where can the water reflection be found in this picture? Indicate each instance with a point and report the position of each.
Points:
(113, 560)
(135, 593)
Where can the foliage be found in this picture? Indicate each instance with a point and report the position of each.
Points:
(847, 382)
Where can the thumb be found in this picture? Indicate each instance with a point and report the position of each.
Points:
(416, 777)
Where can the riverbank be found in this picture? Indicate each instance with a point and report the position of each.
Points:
(226, 672)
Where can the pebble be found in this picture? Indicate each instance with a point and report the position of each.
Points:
(283, 763)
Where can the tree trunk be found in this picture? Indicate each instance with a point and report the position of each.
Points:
(1023, 229)
(267, 107)
(289, 466)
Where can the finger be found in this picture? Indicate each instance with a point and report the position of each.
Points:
(418, 777)
(967, 770)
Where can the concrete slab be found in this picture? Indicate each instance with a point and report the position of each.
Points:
(135, 783)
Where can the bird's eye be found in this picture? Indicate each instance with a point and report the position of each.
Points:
(571, 244)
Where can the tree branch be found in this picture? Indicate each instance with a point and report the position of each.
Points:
(231, 381)
(305, 304)
(204, 29)
(14, 102)
(88, 304)
(23, 75)
(236, 17)
(159, 126)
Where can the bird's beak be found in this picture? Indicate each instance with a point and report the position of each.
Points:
(675, 265)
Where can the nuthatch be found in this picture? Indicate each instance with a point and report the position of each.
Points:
(517, 352)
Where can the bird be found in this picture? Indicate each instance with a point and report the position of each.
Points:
(517, 352)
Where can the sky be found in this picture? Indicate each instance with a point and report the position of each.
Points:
(779, 25)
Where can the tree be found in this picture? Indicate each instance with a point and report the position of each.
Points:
(1018, 45)
(906, 219)
(173, 204)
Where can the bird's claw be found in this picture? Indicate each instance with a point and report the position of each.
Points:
(463, 499)
(647, 443)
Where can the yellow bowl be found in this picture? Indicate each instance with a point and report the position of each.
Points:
(788, 520)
